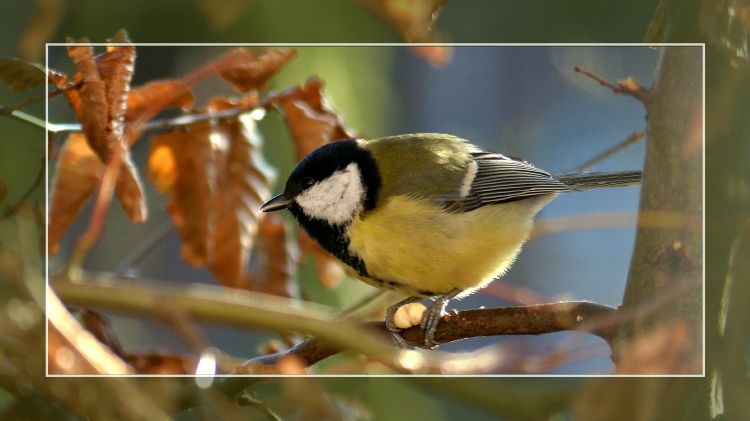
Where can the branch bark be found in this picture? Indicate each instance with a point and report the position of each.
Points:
(521, 320)
(665, 258)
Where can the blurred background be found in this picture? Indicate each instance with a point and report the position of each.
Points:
(526, 102)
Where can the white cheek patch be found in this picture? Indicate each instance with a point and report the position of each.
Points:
(471, 173)
(335, 199)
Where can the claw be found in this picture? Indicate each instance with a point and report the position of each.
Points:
(432, 317)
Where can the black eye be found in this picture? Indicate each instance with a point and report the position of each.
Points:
(307, 182)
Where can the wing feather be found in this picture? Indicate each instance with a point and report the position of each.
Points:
(501, 179)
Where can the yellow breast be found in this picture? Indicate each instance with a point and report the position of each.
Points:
(420, 245)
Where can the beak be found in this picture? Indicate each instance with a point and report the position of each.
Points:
(278, 202)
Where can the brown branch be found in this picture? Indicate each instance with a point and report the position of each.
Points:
(628, 87)
(522, 320)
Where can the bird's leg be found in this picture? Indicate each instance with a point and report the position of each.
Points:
(390, 324)
(432, 317)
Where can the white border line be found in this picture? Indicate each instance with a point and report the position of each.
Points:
(383, 44)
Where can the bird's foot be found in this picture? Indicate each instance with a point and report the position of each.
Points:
(432, 317)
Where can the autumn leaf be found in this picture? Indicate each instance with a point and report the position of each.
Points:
(142, 97)
(217, 181)
(274, 260)
(309, 116)
(182, 163)
(20, 75)
(77, 174)
(161, 363)
(312, 122)
(254, 71)
(101, 327)
(79, 171)
(244, 182)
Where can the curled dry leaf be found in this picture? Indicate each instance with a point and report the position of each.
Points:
(144, 96)
(101, 328)
(160, 363)
(182, 164)
(275, 259)
(309, 116)
(313, 122)
(244, 180)
(79, 170)
(99, 105)
(77, 174)
(218, 180)
(254, 71)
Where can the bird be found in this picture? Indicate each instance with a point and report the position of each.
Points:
(427, 214)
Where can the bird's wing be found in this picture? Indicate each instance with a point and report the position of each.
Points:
(493, 178)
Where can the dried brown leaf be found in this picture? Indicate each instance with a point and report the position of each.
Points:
(77, 174)
(143, 97)
(3, 190)
(275, 259)
(161, 363)
(56, 78)
(90, 101)
(309, 116)
(41, 28)
(182, 164)
(217, 180)
(116, 70)
(255, 70)
(101, 328)
(313, 122)
(20, 75)
(243, 179)
(412, 19)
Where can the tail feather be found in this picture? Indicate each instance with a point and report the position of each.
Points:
(585, 181)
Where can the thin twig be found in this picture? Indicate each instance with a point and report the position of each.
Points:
(96, 224)
(174, 122)
(143, 249)
(628, 87)
(631, 139)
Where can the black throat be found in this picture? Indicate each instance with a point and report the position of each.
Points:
(334, 238)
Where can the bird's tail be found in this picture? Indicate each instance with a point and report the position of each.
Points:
(585, 181)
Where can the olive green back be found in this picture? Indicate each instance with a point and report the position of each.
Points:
(424, 164)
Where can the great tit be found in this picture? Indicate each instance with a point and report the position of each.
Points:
(426, 214)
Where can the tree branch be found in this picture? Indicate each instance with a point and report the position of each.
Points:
(522, 320)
